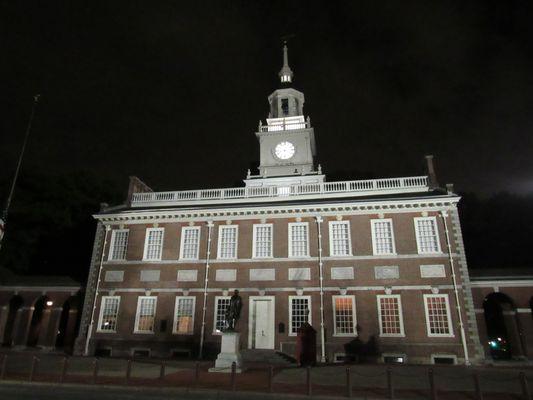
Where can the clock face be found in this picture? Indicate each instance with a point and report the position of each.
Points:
(284, 150)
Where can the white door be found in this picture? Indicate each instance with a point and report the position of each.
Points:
(263, 324)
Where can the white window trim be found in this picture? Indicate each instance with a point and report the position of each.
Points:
(290, 225)
(271, 240)
(147, 235)
(101, 316)
(138, 312)
(290, 312)
(452, 356)
(417, 234)
(220, 227)
(373, 223)
(182, 241)
(215, 332)
(400, 312)
(112, 245)
(178, 298)
(448, 315)
(330, 226)
(354, 317)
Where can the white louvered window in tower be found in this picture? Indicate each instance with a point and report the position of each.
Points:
(227, 241)
(427, 236)
(344, 308)
(262, 241)
(299, 312)
(438, 320)
(390, 315)
(145, 317)
(153, 245)
(108, 314)
(221, 305)
(299, 239)
(190, 243)
(184, 315)
(119, 244)
(382, 237)
(339, 238)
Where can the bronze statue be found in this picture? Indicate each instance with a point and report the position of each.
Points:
(233, 312)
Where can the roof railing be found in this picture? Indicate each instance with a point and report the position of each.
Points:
(254, 194)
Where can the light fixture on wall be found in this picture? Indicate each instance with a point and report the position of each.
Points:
(49, 303)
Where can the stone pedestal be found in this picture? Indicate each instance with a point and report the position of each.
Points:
(229, 353)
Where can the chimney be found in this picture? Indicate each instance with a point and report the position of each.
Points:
(433, 183)
(136, 186)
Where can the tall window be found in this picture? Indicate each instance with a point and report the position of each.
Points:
(153, 244)
(299, 239)
(145, 317)
(427, 236)
(190, 242)
(184, 315)
(221, 305)
(299, 312)
(285, 107)
(108, 314)
(119, 244)
(390, 315)
(339, 238)
(382, 237)
(227, 241)
(344, 315)
(262, 241)
(438, 321)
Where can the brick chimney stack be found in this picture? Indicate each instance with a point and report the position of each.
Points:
(433, 183)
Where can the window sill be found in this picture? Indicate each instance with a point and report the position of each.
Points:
(441, 336)
(183, 334)
(345, 335)
(392, 335)
(98, 331)
(144, 332)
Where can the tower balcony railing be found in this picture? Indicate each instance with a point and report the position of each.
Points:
(252, 194)
(285, 126)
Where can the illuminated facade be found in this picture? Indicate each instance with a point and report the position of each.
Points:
(377, 267)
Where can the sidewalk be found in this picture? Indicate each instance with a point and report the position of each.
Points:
(409, 381)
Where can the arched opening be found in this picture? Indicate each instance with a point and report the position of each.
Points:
(68, 324)
(36, 321)
(14, 305)
(503, 328)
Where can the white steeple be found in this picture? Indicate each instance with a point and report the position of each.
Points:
(286, 73)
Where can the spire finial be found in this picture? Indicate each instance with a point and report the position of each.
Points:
(286, 73)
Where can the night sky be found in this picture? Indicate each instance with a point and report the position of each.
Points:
(173, 91)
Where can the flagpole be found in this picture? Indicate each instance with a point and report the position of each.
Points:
(3, 219)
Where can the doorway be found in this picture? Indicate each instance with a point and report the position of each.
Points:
(261, 322)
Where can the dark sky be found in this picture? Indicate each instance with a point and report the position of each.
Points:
(173, 91)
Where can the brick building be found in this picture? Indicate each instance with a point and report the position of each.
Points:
(376, 266)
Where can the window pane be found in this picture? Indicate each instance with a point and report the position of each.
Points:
(119, 245)
(184, 315)
(340, 239)
(190, 242)
(146, 314)
(228, 242)
(383, 243)
(344, 321)
(299, 312)
(109, 310)
(390, 315)
(263, 241)
(299, 240)
(427, 236)
(154, 244)
(221, 307)
(437, 311)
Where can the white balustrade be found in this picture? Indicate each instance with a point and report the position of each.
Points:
(308, 191)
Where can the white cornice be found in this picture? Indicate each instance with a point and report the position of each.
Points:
(435, 203)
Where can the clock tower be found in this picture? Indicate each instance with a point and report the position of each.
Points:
(287, 141)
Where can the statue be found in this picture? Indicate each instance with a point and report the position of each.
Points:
(233, 312)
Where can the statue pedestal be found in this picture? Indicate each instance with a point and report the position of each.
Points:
(229, 353)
